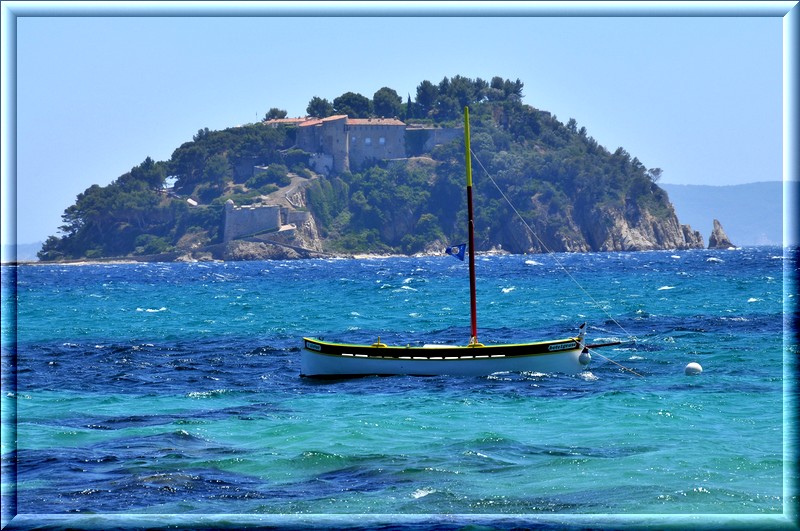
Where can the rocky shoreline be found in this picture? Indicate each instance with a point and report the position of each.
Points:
(266, 253)
(305, 244)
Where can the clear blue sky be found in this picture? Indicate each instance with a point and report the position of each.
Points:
(698, 96)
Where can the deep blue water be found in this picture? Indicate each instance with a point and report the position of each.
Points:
(146, 389)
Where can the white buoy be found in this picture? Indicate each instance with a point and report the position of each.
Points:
(692, 369)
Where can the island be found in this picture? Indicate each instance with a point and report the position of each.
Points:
(379, 176)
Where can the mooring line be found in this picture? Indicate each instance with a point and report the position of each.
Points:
(593, 352)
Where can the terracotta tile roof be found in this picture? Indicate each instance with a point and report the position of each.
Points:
(285, 121)
(374, 121)
(317, 121)
(352, 121)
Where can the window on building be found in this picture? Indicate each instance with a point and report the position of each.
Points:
(382, 140)
(368, 141)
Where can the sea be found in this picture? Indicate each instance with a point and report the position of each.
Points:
(169, 395)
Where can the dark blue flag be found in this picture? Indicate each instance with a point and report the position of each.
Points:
(457, 251)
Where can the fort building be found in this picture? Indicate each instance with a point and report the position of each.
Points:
(249, 221)
(339, 143)
(245, 221)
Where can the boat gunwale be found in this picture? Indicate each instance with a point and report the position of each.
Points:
(429, 346)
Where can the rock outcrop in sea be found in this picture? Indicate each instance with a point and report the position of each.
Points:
(718, 238)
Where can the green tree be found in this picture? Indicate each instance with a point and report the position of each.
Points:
(274, 174)
(464, 91)
(51, 250)
(151, 173)
(513, 89)
(150, 244)
(319, 107)
(387, 103)
(427, 93)
(201, 134)
(655, 174)
(275, 114)
(89, 214)
(186, 164)
(217, 170)
(327, 199)
(572, 125)
(353, 105)
(504, 89)
(447, 108)
(495, 91)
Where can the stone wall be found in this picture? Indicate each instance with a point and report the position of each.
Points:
(375, 139)
(244, 221)
(321, 163)
(422, 139)
(441, 135)
(329, 136)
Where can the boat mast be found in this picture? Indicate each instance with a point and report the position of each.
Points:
(472, 299)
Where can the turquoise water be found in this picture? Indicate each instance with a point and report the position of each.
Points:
(146, 389)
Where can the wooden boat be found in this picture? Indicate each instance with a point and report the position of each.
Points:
(323, 359)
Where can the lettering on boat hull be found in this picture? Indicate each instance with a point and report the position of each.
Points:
(561, 346)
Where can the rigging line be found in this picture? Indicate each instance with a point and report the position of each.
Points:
(544, 246)
(593, 352)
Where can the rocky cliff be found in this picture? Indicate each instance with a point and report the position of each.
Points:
(597, 228)
(613, 231)
(718, 238)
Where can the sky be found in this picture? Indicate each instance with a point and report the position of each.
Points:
(698, 96)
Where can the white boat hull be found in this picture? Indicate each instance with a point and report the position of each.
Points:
(320, 359)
